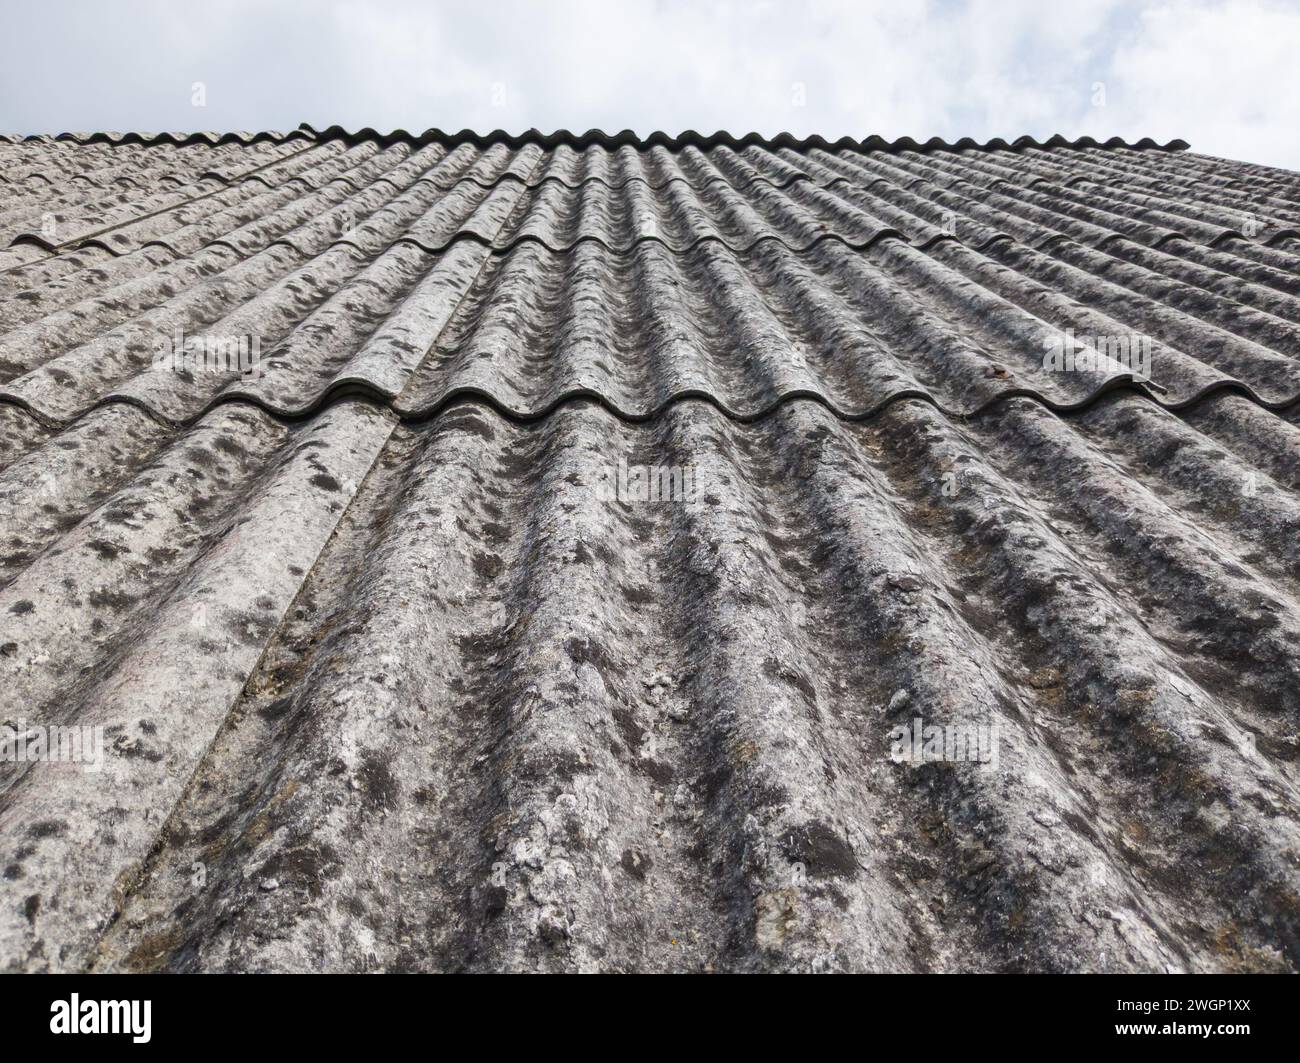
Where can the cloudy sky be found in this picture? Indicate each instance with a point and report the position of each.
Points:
(1222, 74)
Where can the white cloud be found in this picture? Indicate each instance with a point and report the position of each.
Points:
(1222, 75)
(1227, 74)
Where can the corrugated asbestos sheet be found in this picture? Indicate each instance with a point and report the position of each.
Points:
(386, 679)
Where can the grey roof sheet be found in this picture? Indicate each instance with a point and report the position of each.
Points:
(370, 647)
(421, 274)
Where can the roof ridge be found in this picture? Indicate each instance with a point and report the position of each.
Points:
(210, 138)
(721, 138)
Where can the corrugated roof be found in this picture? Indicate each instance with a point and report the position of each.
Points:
(387, 680)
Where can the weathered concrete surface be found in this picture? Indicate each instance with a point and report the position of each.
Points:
(385, 680)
